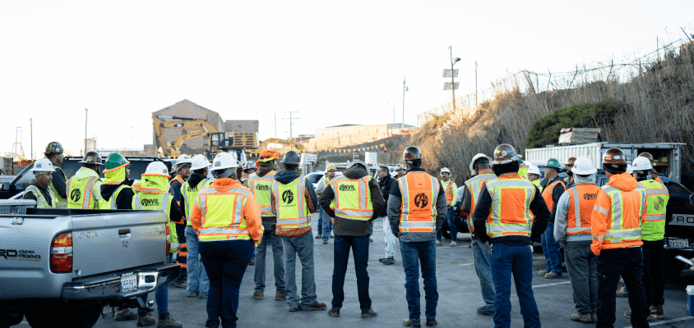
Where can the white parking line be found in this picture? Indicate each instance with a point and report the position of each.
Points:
(554, 284)
(667, 321)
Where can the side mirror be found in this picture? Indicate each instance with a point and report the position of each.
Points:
(6, 186)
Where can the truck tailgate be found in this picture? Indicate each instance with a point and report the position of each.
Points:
(114, 242)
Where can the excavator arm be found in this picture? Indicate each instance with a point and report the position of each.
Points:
(200, 128)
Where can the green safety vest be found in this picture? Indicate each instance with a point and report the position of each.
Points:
(290, 205)
(157, 202)
(111, 204)
(79, 193)
(353, 198)
(657, 197)
(189, 195)
(41, 201)
(60, 201)
(261, 187)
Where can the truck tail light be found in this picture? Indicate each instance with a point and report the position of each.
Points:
(168, 241)
(61, 253)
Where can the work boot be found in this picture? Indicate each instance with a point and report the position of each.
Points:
(203, 297)
(543, 272)
(410, 323)
(622, 293)
(585, 318)
(193, 294)
(552, 275)
(656, 312)
(145, 320)
(333, 312)
(438, 243)
(325, 241)
(381, 260)
(315, 307)
(431, 322)
(280, 297)
(371, 240)
(252, 262)
(485, 311)
(389, 261)
(123, 314)
(453, 243)
(370, 313)
(166, 321)
(319, 236)
(258, 295)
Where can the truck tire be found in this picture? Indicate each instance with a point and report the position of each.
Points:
(64, 314)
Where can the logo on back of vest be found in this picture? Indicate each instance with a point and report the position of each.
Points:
(347, 188)
(589, 196)
(149, 202)
(262, 187)
(287, 196)
(421, 200)
(75, 195)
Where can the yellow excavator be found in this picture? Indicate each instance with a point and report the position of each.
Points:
(275, 141)
(196, 128)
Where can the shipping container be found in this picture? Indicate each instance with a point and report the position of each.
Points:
(667, 155)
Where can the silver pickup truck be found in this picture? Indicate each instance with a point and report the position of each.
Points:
(60, 267)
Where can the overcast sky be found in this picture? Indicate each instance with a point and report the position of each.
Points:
(334, 62)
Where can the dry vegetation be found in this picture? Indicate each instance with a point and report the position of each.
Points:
(659, 108)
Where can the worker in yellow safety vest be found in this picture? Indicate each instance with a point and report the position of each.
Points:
(652, 235)
(84, 188)
(39, 188)
(54, 153)
(294, 199)
(354, 200)
(482, 173)
(451, 191)
(226, 217)
(416, 209)
(116, 191)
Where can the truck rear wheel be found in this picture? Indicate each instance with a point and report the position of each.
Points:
(64, 314)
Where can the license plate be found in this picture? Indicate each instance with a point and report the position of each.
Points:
(128, 282)
(678, 243)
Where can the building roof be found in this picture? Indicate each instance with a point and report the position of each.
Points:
(342, 125)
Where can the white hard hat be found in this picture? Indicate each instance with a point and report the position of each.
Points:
(445, 169)
(583, 166)
(474, 159)
(641, 163)
(43, 165)
(533, 169)
(157, 169)
(199, 162)
(224, 161)
(183, 159)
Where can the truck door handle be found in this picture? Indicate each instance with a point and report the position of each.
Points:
(123, 231)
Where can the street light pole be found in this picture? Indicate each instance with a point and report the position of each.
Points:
(404, 89)
(452, 76)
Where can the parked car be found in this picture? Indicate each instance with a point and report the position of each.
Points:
(62, 266)
(314, 178)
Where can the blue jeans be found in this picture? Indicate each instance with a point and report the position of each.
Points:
(550, 249)
(277, 257)
(360, 250)
(302, 246)
(197, 277)
(161, 296)
(518, 260)
(480, 252)
(225, 262)
(325, 224)
(412, 254)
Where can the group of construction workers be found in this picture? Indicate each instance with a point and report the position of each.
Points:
(601, 233)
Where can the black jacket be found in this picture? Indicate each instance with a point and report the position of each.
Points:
(386, 184)
(59, 182)
(125, 196)
(345, 227)
(556, 194)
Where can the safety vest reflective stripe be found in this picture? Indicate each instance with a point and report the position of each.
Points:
(475, 186)
(578, 230)
(506, 217)
(163, 206)
(86, 200)
(222, 214)
(419, 193)
(261, 187)
(353, 198)
(548, 193)
(112, 203)
(60, 202)
(189, 195)
(41, 201)
(582, 200)
(290, 205)
(658, 217)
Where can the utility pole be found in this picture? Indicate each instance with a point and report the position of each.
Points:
(475, 85)
(291, 119)
(404, 89)
(31, 136)
(86, 111)
(275, 125)
(452, 76)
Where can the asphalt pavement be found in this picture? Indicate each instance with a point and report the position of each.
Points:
(458, 287)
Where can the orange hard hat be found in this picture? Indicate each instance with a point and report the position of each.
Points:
(570, 161)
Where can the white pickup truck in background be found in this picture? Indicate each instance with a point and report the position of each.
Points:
(60, 267)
